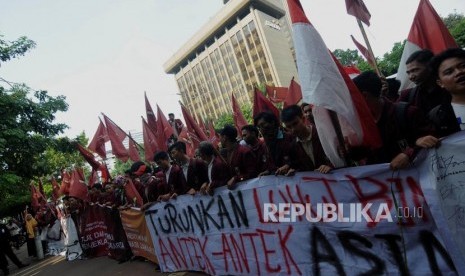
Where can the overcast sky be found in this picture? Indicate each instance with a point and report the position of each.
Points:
(103, 54)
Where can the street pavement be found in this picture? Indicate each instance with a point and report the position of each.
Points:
(103, 266)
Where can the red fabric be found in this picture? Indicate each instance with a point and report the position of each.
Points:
(238, 117)
(358, 9)
(242, 163)
(261, 104)
(277, 94)
(41, 189)
(351, 70)
(55, 189)
(195, 132)
(364, 51)
(116, 136)
(296, 11)
(220, 173)
(133, 150)
(371, 137)
(164, 130)
(106, 177)
(35, 198)
(428, 30)
(151, 119)
(92, 178)
(77, 187)
(294, 95)
(97, 144)
(65, 182)
(88, 156)
(213, 137)
(132, 194)
(186, 138)
(150, 141)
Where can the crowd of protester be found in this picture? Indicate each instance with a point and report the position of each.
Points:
(416, 119)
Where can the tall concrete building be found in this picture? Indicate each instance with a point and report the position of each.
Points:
(246, 43)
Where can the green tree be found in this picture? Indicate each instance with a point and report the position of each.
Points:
(27, 131)
(456, 24)
(351, 57)
(390, 61)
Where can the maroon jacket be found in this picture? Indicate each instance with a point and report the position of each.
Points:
(300, 161)
(220, 173)
(197, 173)
(262, 157)
(177, 182)
(279, 150)
(242, 163)
(424, 97)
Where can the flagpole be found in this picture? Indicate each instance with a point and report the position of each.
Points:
(367, 42)
(123, 131)
(340, 137)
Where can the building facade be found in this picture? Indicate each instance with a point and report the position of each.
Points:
(247, 43)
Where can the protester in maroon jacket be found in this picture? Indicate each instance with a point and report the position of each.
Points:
(426, 94)
(398, 129)
(176, 184)
(217, 170)
(240, 159)
(258, 147)
(195, 171)
(307, 153)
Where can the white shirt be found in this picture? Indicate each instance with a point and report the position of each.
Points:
(167, 174)
(185, 168)
(459, 110)
(210, 167)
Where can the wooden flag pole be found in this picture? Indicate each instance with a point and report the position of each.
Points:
(340, 137)
(367, 42)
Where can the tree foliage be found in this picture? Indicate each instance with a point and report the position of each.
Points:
(227, 118)
(455, 22)
(12, 49)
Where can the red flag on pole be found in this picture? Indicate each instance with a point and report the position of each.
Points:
(261, 104)
(97, 144)
(116, 136)
(151, 119)
(294, 95)
(78, 187)
(238, 117)
(213, 137)
(106, 177)
(164, 130)
(92, 178)
(185, 137)
(41, 189)
(358, 9)
(150, 141)
(88, 156)
(65, 181)
(196, 134)
(428, 31)
(55, 189)
(132, 194)
(364, 51)
(276, 94)
(133, 150)
(328, 87)
(35, 198)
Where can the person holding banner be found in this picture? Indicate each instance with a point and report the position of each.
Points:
(448, 68)
(218, 171)
(175, 181)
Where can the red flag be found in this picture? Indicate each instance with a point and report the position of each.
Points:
(41, 189)
(213, 137)
(92, 178)
(132, 194)
(195, 133)
(151, 119)
(352, 71)
(150, 141)
(238, 117)
(97, 144)
(261, 104)
(55, 189)
(65, 182)
(202, 125)
(133, 150)
(88, 156)
(276, 94)
(364, 51)
(358, 9)
(78, 187)
(328, 87)
(106, 177)
(427, 32)
(164, 130)
(185, 137)
(35, 197)
(116, 136)
(294, 95)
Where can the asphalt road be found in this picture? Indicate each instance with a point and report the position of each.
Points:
(103, 266)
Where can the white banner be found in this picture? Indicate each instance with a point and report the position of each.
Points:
(351, 221)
